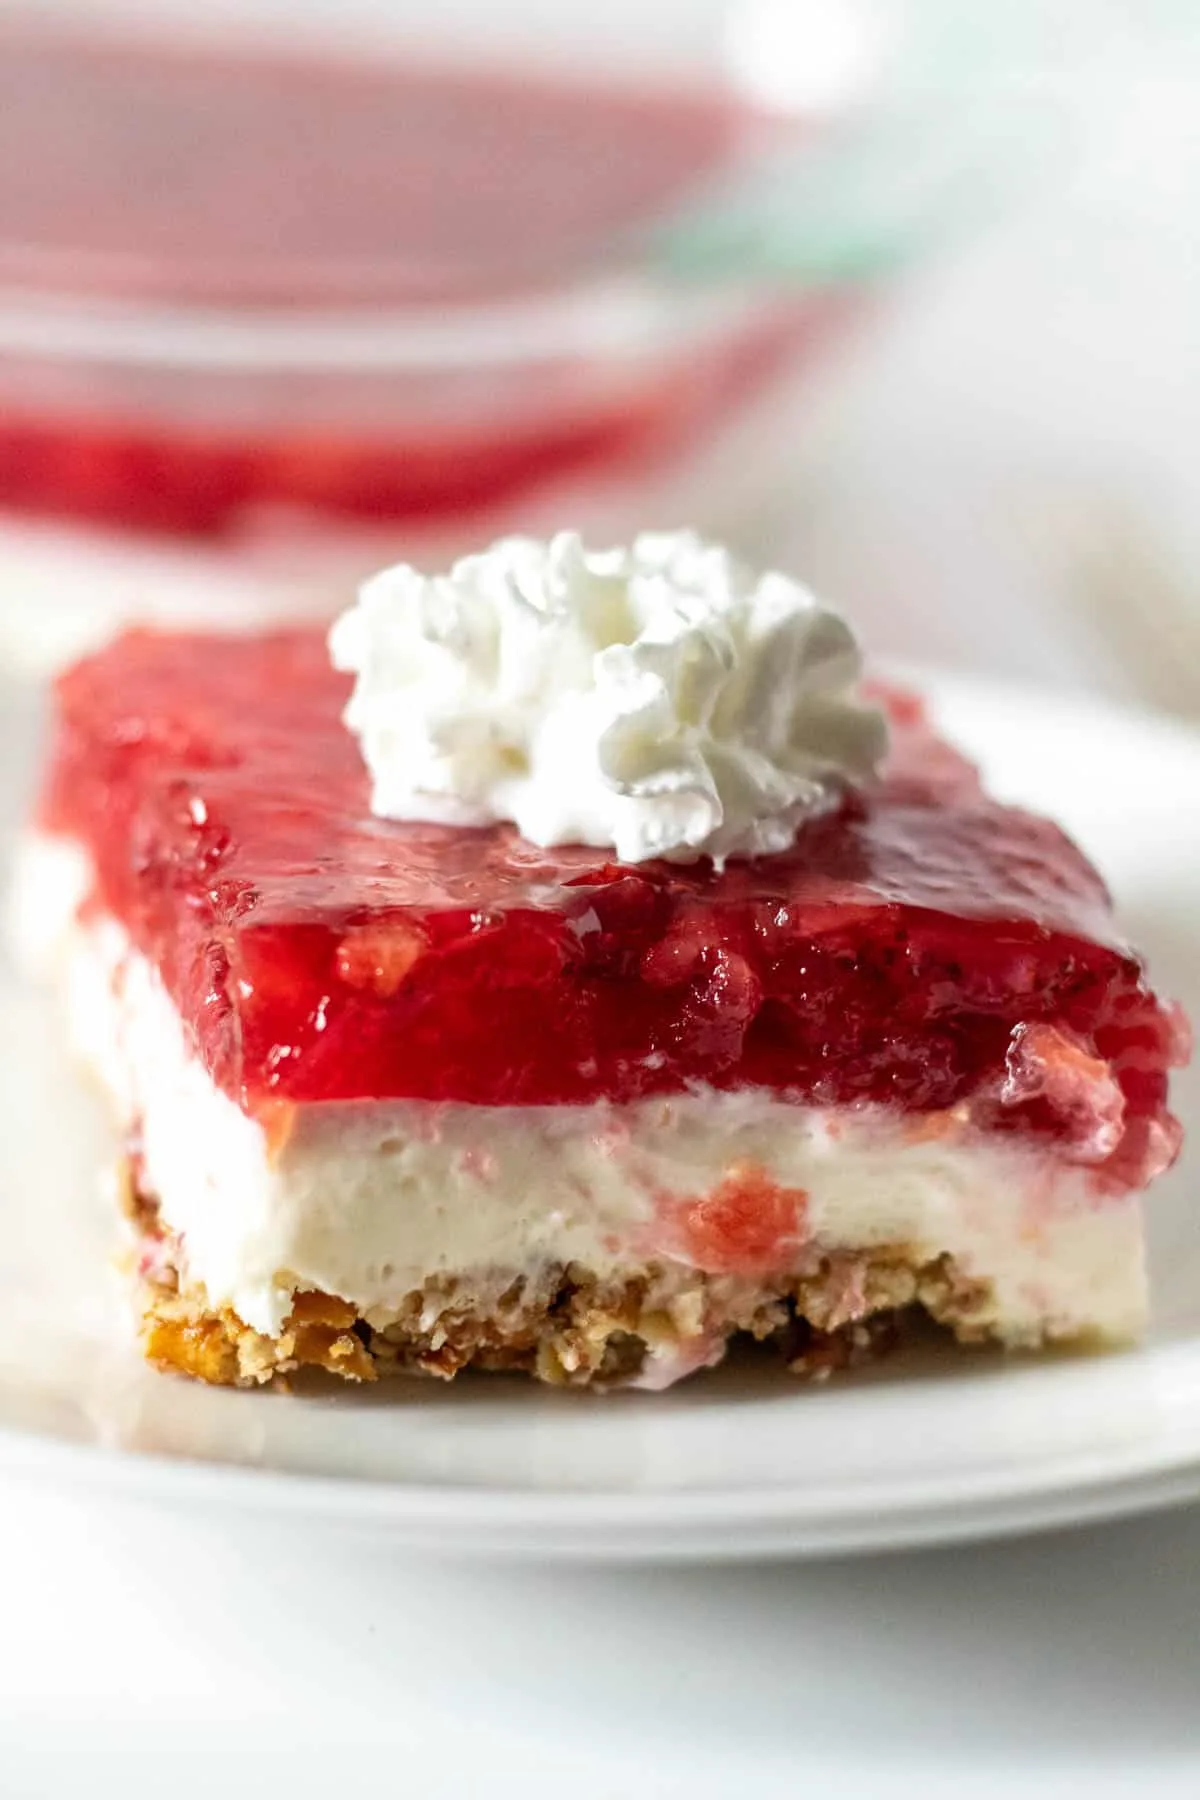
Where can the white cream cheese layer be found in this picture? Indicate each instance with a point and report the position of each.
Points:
(367, 1201)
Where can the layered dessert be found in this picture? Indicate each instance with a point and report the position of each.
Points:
(571, 967)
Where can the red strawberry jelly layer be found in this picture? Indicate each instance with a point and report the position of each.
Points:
(923, 947)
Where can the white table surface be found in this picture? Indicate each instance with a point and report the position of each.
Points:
(148, 1655)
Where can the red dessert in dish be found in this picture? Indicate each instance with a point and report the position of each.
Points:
(314, 184)
(867, 1073)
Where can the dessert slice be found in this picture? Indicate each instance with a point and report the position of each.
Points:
(420, 1095)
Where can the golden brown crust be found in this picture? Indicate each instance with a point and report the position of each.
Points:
(568, 1327)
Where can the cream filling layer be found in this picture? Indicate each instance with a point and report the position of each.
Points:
(368, 1200)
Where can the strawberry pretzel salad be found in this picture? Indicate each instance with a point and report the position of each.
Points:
(569, 965)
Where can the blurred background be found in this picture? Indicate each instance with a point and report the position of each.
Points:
(903, 297)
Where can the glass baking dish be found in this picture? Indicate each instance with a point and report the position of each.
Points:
(283, 300)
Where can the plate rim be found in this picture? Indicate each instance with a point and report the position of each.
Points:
(610, 1525)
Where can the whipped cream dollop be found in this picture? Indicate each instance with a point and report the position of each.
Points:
(659, 700)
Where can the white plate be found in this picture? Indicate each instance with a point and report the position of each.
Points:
(931, 1448)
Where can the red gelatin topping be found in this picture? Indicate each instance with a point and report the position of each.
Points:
(922, 948)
